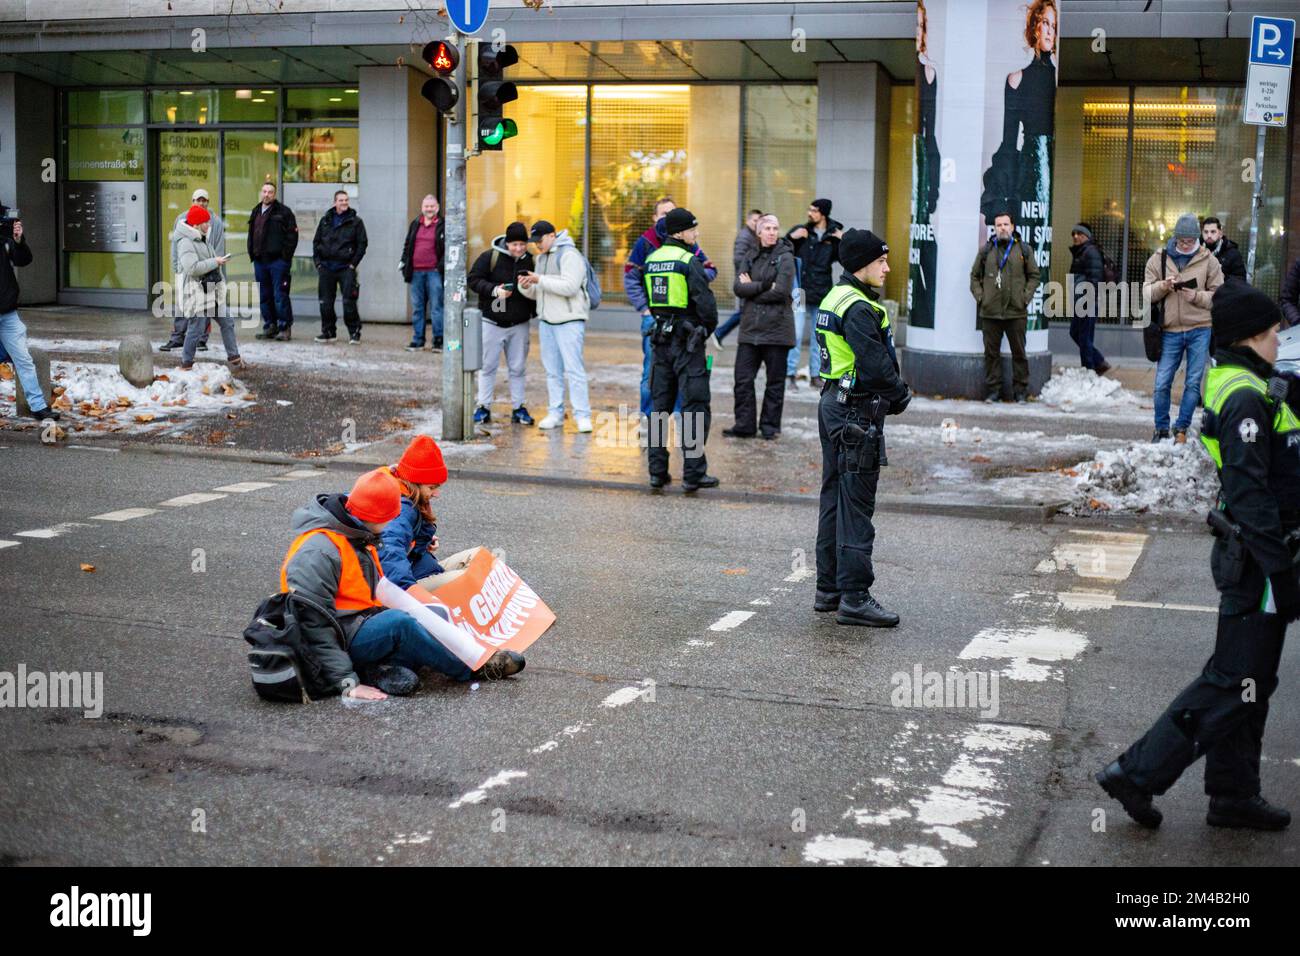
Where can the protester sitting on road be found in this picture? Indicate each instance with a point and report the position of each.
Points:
(333, 561)
(199, 269)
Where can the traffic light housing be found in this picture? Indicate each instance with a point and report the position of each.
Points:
(494, 91)
(441, 90)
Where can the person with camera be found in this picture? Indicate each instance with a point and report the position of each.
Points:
(1182, 278)
(199, 269)
(861, 385)
(1249, 430)
(13, 334)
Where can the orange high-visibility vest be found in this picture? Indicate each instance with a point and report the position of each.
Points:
(354, 592)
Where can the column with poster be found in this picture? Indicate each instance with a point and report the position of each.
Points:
(986, 90)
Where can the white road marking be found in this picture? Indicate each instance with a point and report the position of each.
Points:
(9, 544)
(241, 487)
(479, 793)
(197, 498)
(761, 602)
(731, 619)
(53, 531)
(837, 850)
(1107, 555)
(126, 514)
(1022, 646)
(1104, 601)
(541, 749)
(301, 473)
(803, 574)
(625, 696)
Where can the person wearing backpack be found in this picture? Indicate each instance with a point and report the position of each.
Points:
(506, 313)
(334, 562)
(1088, 268)
(1003, 280)
(559, 285)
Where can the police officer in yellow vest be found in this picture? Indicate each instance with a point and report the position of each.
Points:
(1253, 436)
(862, 385)
(685, 315)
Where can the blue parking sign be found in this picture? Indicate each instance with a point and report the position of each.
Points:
(468, 16)
(1272, 41)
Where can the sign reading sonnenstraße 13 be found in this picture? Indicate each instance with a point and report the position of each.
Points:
(103, 217)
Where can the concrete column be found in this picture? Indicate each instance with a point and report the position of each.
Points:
(27, 141)
(398, 156)
(853, 142)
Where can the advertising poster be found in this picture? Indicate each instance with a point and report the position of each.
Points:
(923, 253)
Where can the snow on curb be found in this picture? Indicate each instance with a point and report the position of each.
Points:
(1144, 477)
(1070, 389)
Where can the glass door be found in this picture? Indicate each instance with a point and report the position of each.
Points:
(187, 160)
(250, 157)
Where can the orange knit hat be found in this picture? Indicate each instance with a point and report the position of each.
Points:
(421, 463)
(376, 496)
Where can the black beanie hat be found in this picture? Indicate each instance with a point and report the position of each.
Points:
(678, 220)
(1239, 311)
(516, 232)
(823, 206)
(860, 247)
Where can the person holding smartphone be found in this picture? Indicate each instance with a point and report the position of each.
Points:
(506, 313)
(200, 271)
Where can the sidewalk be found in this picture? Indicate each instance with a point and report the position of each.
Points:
(359, 405)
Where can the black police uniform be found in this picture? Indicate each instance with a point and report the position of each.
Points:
(1221, 714)
(679, 364)
(851, 461)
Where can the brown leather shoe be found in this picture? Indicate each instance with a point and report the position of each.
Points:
(1180, 438)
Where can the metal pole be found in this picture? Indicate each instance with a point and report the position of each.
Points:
(454, 411)
(1256, 201)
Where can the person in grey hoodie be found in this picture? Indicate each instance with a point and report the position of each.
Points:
(217, 240)
(558, 285)
(199, 271)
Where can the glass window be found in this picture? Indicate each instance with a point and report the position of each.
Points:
(106, 270)
(190, 107)
(314, 105)
(186, 161)
(105, 107)
(898, 202)
(780, 150)
(251, 158)
(247, 105)
(106, 154)
(321, 154)
(543, 178)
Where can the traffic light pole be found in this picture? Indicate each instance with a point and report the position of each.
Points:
(457, 402)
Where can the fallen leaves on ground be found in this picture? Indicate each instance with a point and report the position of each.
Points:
(88, 568)
(145, 417)
(735, 570)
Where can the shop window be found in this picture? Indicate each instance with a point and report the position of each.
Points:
(314, 105)
(247, 105)
(106, 270)
(780, 172)
(106, 154)
(193, 107)
(320, 154)
(105, 107)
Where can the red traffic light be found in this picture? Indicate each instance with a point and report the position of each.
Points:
(442, 57)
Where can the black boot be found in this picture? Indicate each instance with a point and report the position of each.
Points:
(500, 665)
(826, 601)
(708, 481)
(1135, 801)
(46, 413)
(1252, 813)
(864, 610)
(392, 679)
(658, 481)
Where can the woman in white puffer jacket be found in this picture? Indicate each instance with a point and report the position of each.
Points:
(198, 268)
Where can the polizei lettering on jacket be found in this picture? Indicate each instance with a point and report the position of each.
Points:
(103, 909)
(661, 265)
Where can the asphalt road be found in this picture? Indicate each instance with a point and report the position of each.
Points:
(768, 734)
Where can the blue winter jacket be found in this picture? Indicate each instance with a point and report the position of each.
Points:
(403, 547)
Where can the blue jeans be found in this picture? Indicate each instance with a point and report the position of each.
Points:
(426, 292)
(273, 285)
(562, 358)
(647, 359)
(725, 328)
(13, 343)
(394, 637)
(1196, 344)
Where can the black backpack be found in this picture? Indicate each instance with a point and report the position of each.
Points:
(1109, 267)
(1153, 336)
(282, 672)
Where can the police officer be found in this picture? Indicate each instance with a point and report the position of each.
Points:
(861, 385)
(1254, 439)
(685, 315)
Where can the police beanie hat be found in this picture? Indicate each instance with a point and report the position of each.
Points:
(516, 232)
(376, 497)
(1240, 311)
(823, 206)
(196, 215)
(860, 247)
(678, 220)
(422, 463)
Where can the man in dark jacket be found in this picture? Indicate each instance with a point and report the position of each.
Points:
(745, 245)
(1290, 297)
(506, 311)
(1225, 250)
(1250, 436)
(684, 313)
(337, 249)
(14, 251)
(816, 243)
(862, 386)
(423, 255)
(1003, 280)
(272, 241)
(764, 285)
(1088, 269)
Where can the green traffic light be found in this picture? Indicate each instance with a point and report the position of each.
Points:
(501, 130)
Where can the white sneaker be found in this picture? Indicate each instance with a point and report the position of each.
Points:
(584, 425)
(552, 420)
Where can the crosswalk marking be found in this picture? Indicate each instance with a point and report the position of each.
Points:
(1104, 601)
(1107, 555)
(730, 620)
(197, 498)
(9, 544)
(126, 514)
(240, 487)
(51, 532)
(300, 473)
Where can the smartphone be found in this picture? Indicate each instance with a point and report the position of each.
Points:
(508, 286)
(1186, 284)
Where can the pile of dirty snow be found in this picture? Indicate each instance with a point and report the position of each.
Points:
(1079, 388)
(1144, 477)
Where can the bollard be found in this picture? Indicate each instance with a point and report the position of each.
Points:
(41, 359)
(135, 360)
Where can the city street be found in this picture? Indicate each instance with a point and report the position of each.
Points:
(688, 707)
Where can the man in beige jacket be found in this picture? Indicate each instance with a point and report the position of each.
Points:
(1183, 276)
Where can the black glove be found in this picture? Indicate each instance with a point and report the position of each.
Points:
(900, 405)
(1286, 595)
